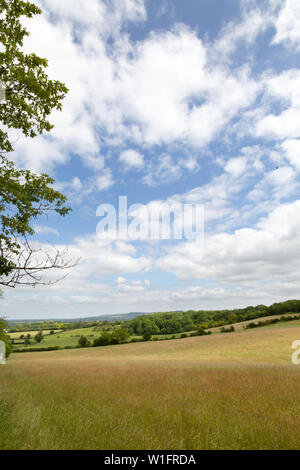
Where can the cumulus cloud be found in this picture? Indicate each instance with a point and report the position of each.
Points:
(103, 181)
(287, 24)
(139, 92)
(169, 105)
(131, 159)
(283, 90)
(291, 149)
(271, 250)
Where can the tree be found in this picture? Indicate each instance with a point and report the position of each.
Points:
(4, 337)
(23, 197)
(103, 340)
(120, 335)
(232, 318)
(30, 96)
(83, 342)
(147, 335)
(39, 337)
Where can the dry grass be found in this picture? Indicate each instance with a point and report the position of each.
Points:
(231, 391)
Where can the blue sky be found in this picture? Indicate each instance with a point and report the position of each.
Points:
(171, 101)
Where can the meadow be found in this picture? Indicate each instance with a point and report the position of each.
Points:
(68, 338)
(223, 391)
(59, 338)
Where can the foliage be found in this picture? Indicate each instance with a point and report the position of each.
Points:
(227, 330)
(24, 196)
(119, 336)
(116, 332)
(30, 96)
(232, 318)
(50, 348)
(83, 342)
(147, 335)
(272, 321)
(292, 306)
(191, 320)
(39, 337)
(4, 337)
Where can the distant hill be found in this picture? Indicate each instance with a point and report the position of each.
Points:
(109, 317)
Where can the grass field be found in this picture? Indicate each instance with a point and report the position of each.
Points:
(231, 391)
(70, 338)
(17, 334)
(61, 338)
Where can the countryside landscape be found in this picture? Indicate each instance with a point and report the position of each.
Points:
(149, 229)
(235, 389)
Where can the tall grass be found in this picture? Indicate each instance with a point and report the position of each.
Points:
(151, 396)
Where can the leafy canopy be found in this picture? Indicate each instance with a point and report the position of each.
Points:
(30, 96)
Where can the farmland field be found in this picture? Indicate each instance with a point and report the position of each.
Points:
(17, 334)
(70, 338)
(61, 338)
(230, 391)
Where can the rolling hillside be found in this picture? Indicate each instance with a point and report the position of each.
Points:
(232, 391)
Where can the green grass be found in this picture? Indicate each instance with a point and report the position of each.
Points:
(63, 338)
(234, 391)
(71, 337)
(17, 334)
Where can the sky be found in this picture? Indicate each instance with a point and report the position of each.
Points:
(194, 102)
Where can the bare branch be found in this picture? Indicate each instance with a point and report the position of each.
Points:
(31, 264)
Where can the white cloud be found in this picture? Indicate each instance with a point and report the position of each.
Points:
(138, 92)
(164, 171)
(254, 22)
(288, 24)
(103, 181)
(131, 159)
(291, 149)
(236, 166)
(76, 183)
(96, 259)
(43, 230)
(173, 89)
(284, 90)
(269, 251)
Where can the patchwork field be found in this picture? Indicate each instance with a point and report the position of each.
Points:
(60, 338)
(224, 391)
(68, 338)
(17, 334)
